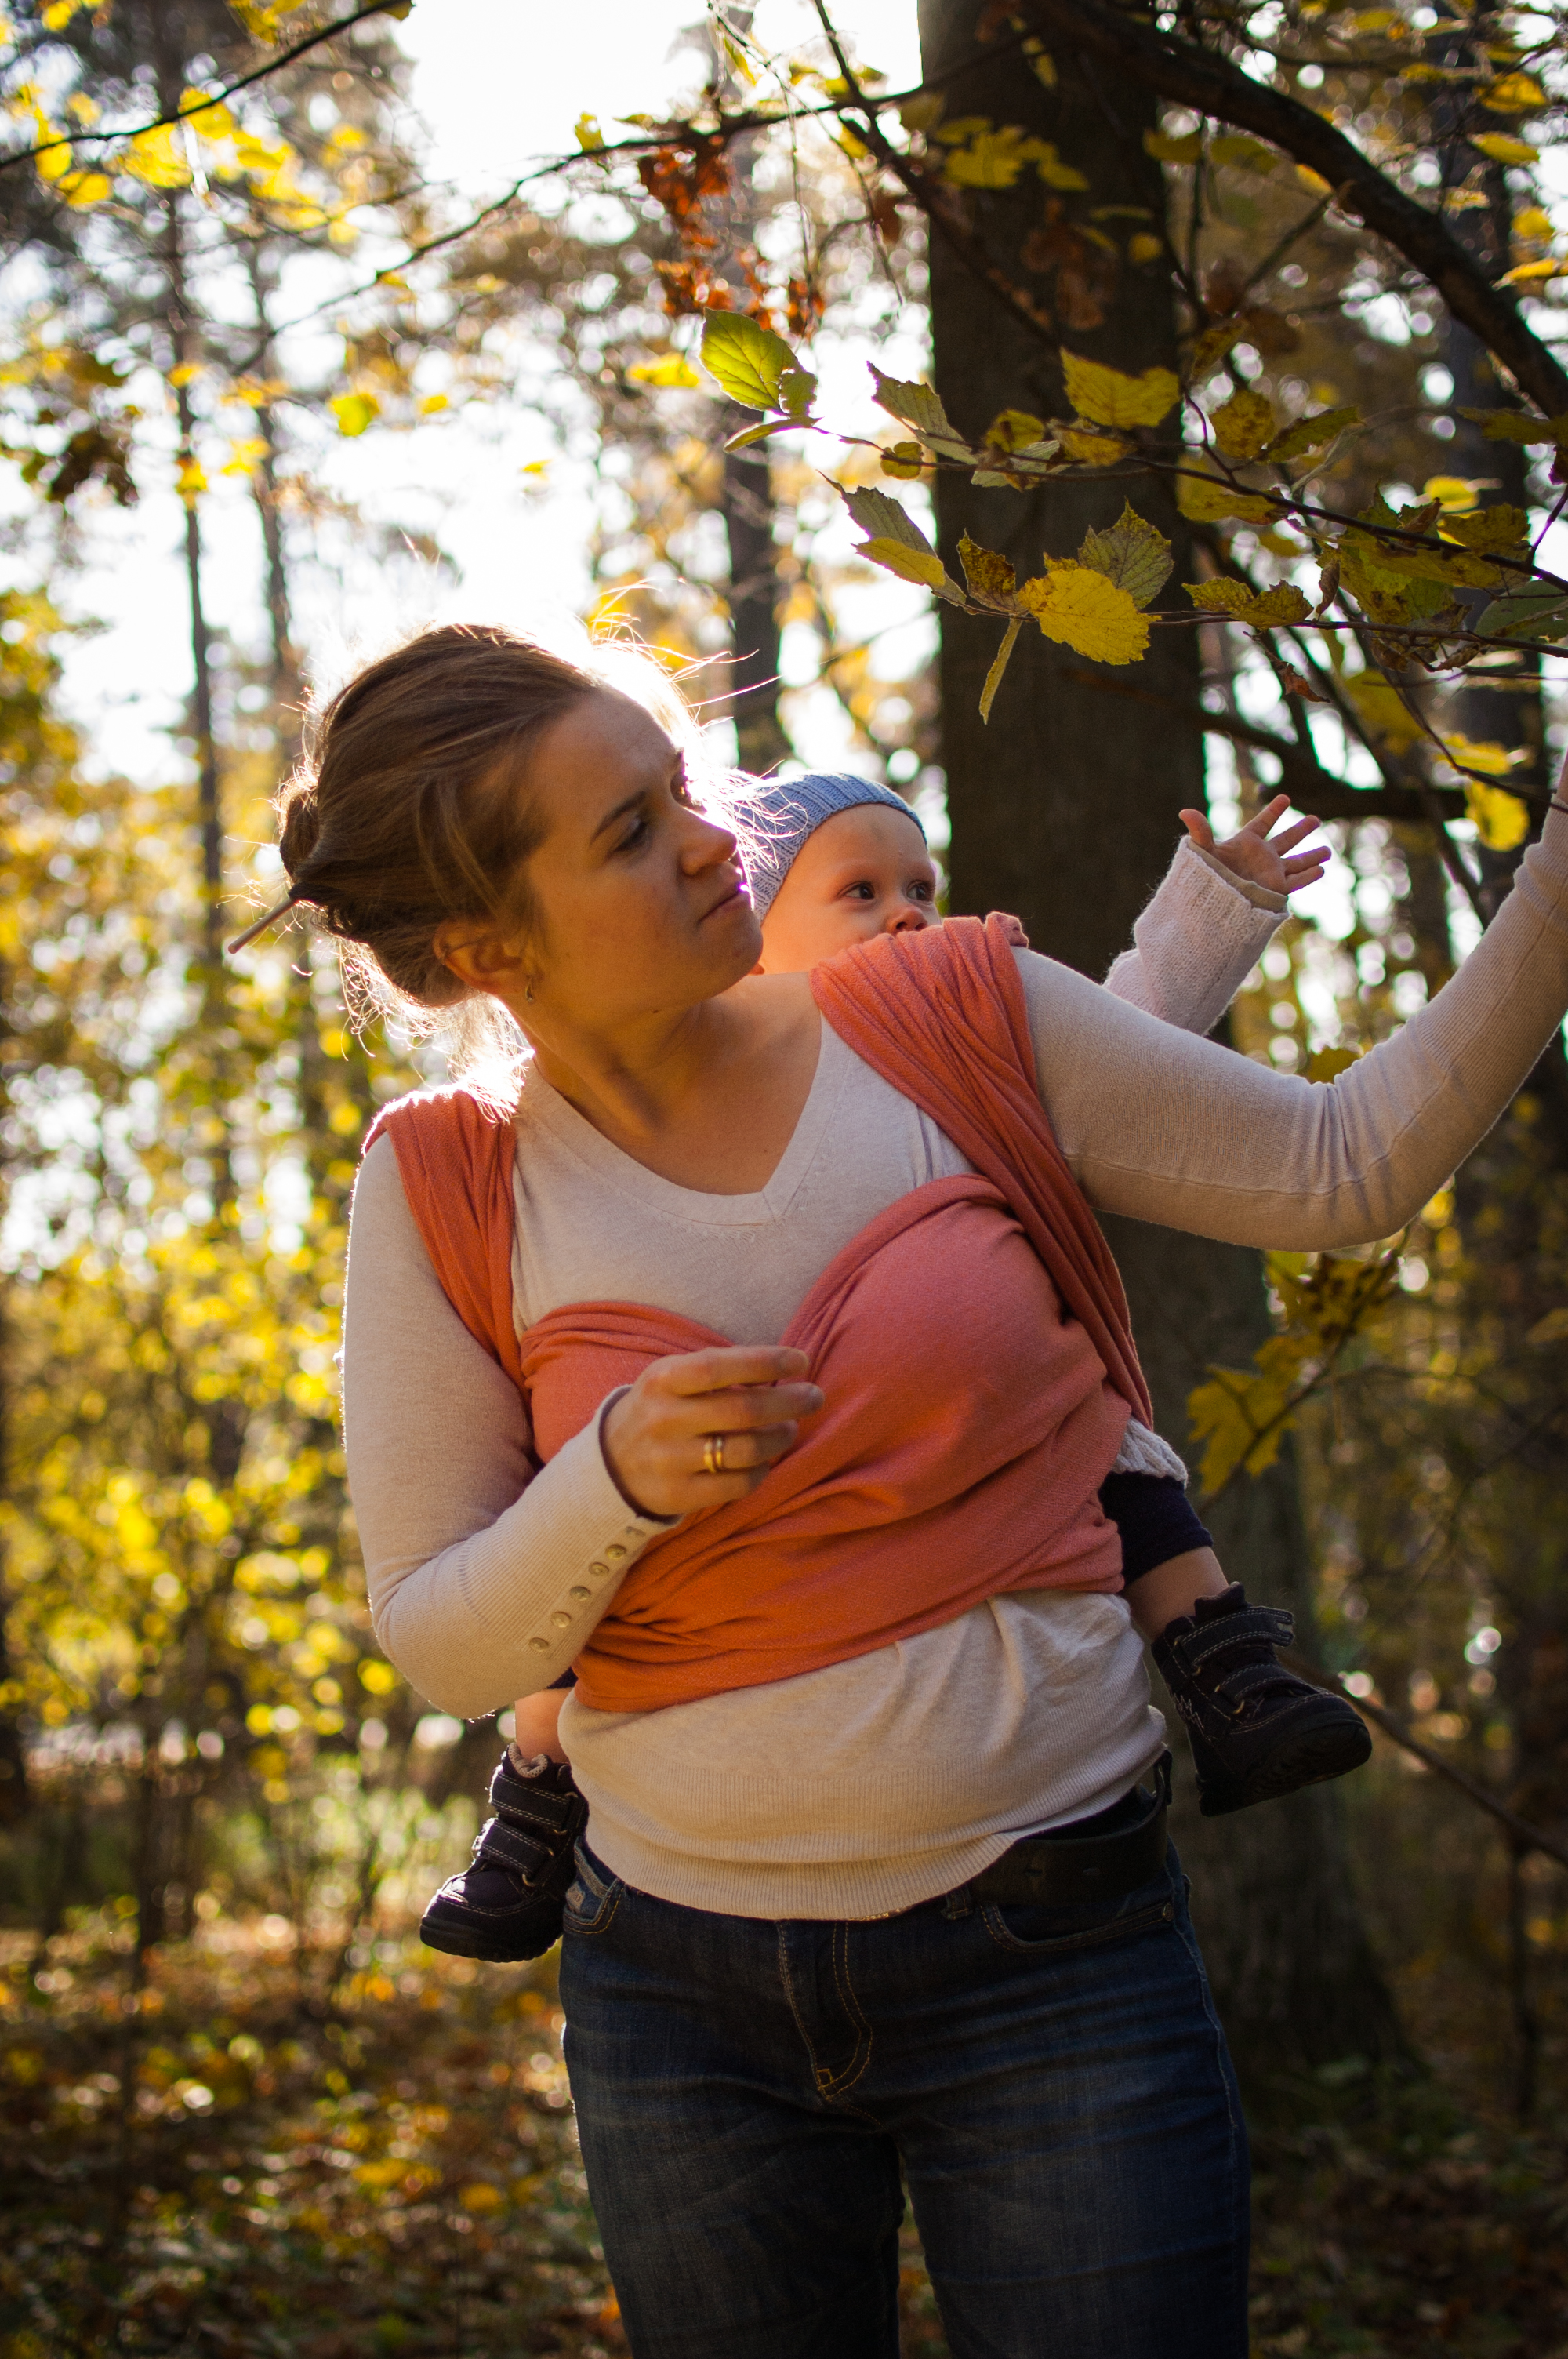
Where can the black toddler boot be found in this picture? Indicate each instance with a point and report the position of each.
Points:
(1257, 1730)
(506, 1906)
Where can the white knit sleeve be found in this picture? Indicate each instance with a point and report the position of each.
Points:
(1165, 1127)
(486, 1573)
(1196, 943)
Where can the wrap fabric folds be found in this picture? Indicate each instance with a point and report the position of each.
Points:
(969, 1418)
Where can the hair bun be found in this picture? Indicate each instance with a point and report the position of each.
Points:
(300, 826)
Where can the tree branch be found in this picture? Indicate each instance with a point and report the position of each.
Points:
(1213, 85)
(1309, 785)
(1521, 1834)
(182, 113)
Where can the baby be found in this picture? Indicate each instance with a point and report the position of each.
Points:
(830, 862)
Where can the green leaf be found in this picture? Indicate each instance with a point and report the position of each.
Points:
(918, 405)
(749, 434)
(1517, 426)
(881, 517)
(797, 387)
(1539, 613)
(993, 677)
(1132, 554)
(748, 360)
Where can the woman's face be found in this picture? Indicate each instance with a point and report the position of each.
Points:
(641, 903)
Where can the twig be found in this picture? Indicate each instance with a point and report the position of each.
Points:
(183, 113)
(1527, 1837)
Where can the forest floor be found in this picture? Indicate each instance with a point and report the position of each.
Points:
(233, 2161)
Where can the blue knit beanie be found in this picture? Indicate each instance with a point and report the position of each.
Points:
(777, 817)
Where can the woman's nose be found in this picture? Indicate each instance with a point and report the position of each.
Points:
(707, 845)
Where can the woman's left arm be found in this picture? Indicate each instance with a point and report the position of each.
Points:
(1167, 1127)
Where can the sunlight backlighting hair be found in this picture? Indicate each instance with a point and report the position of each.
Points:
(410, 808)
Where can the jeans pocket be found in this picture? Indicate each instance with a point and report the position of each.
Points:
(1056, 1932)
(593, 1895)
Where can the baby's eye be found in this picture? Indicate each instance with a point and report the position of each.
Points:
(921, 888)
(861, 890)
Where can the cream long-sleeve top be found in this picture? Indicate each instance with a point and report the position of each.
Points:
(880, 1781)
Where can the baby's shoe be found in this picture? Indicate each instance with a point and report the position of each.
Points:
(506, 1906)
(1257, 1730)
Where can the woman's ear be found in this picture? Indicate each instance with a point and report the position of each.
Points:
(480, 957)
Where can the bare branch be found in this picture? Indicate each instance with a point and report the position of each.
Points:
(182, 113)
(1213, 85)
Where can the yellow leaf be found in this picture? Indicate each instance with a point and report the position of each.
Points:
(1054, 172)
(354, 412)
(1533, 221)
(481, 2196)
(1246, 155)
(208, 118)
(1093, 449)
(1502, 149)
(986, 569)
(1384, 710)
(1312, 433)
(1528, 274)
(243, 456)
(1204, 499)
(1514, 93)
(993, 677)
(1313, 181)
(1243, 424)
(1106, 397)
(1261, 609)
(1014, 429)
(1501, 531)
(58, 162)
(903, 461)
(1328, 1064)
(538, 467)
(158, 157)
(185, 373)
(1456, 493)
(909, 564)
(1501, 821)
(84, 188)
(190, 481)
(433, 404)
(1144, 247)
(1085, 611)
(669, 369)
(590, 137)
(60, 13)
(1171, 147)
(1242, 1415)
(1493, 761)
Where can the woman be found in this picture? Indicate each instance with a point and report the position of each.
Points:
(813, 1960)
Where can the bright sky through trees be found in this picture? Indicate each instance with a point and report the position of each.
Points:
(498, 84)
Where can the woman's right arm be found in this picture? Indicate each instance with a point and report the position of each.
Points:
(473, 1556)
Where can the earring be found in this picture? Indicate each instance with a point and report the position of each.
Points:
(528, 991)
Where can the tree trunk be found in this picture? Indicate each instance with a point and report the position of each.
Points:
(1064, 810)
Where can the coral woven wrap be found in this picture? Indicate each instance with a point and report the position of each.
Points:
(973, 1344)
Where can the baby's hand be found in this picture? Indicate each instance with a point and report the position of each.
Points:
(1251, 853)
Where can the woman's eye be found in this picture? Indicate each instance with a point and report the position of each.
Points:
(635, 834)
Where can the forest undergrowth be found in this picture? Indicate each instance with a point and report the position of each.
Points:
(276, 2148)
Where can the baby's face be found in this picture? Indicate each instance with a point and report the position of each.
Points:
(863, 872)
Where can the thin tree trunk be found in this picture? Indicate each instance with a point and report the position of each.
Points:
(1064, 810)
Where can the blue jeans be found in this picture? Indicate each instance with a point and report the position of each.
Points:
(1052, 2084)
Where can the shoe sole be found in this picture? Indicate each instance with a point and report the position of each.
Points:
(455, 1942)
(1310, 1757)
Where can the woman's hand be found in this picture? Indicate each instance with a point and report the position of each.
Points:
(739, 1405)
(1250, 852)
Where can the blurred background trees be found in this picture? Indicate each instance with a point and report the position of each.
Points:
(198, 1741)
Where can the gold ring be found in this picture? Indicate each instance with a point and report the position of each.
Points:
(713, 1453)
